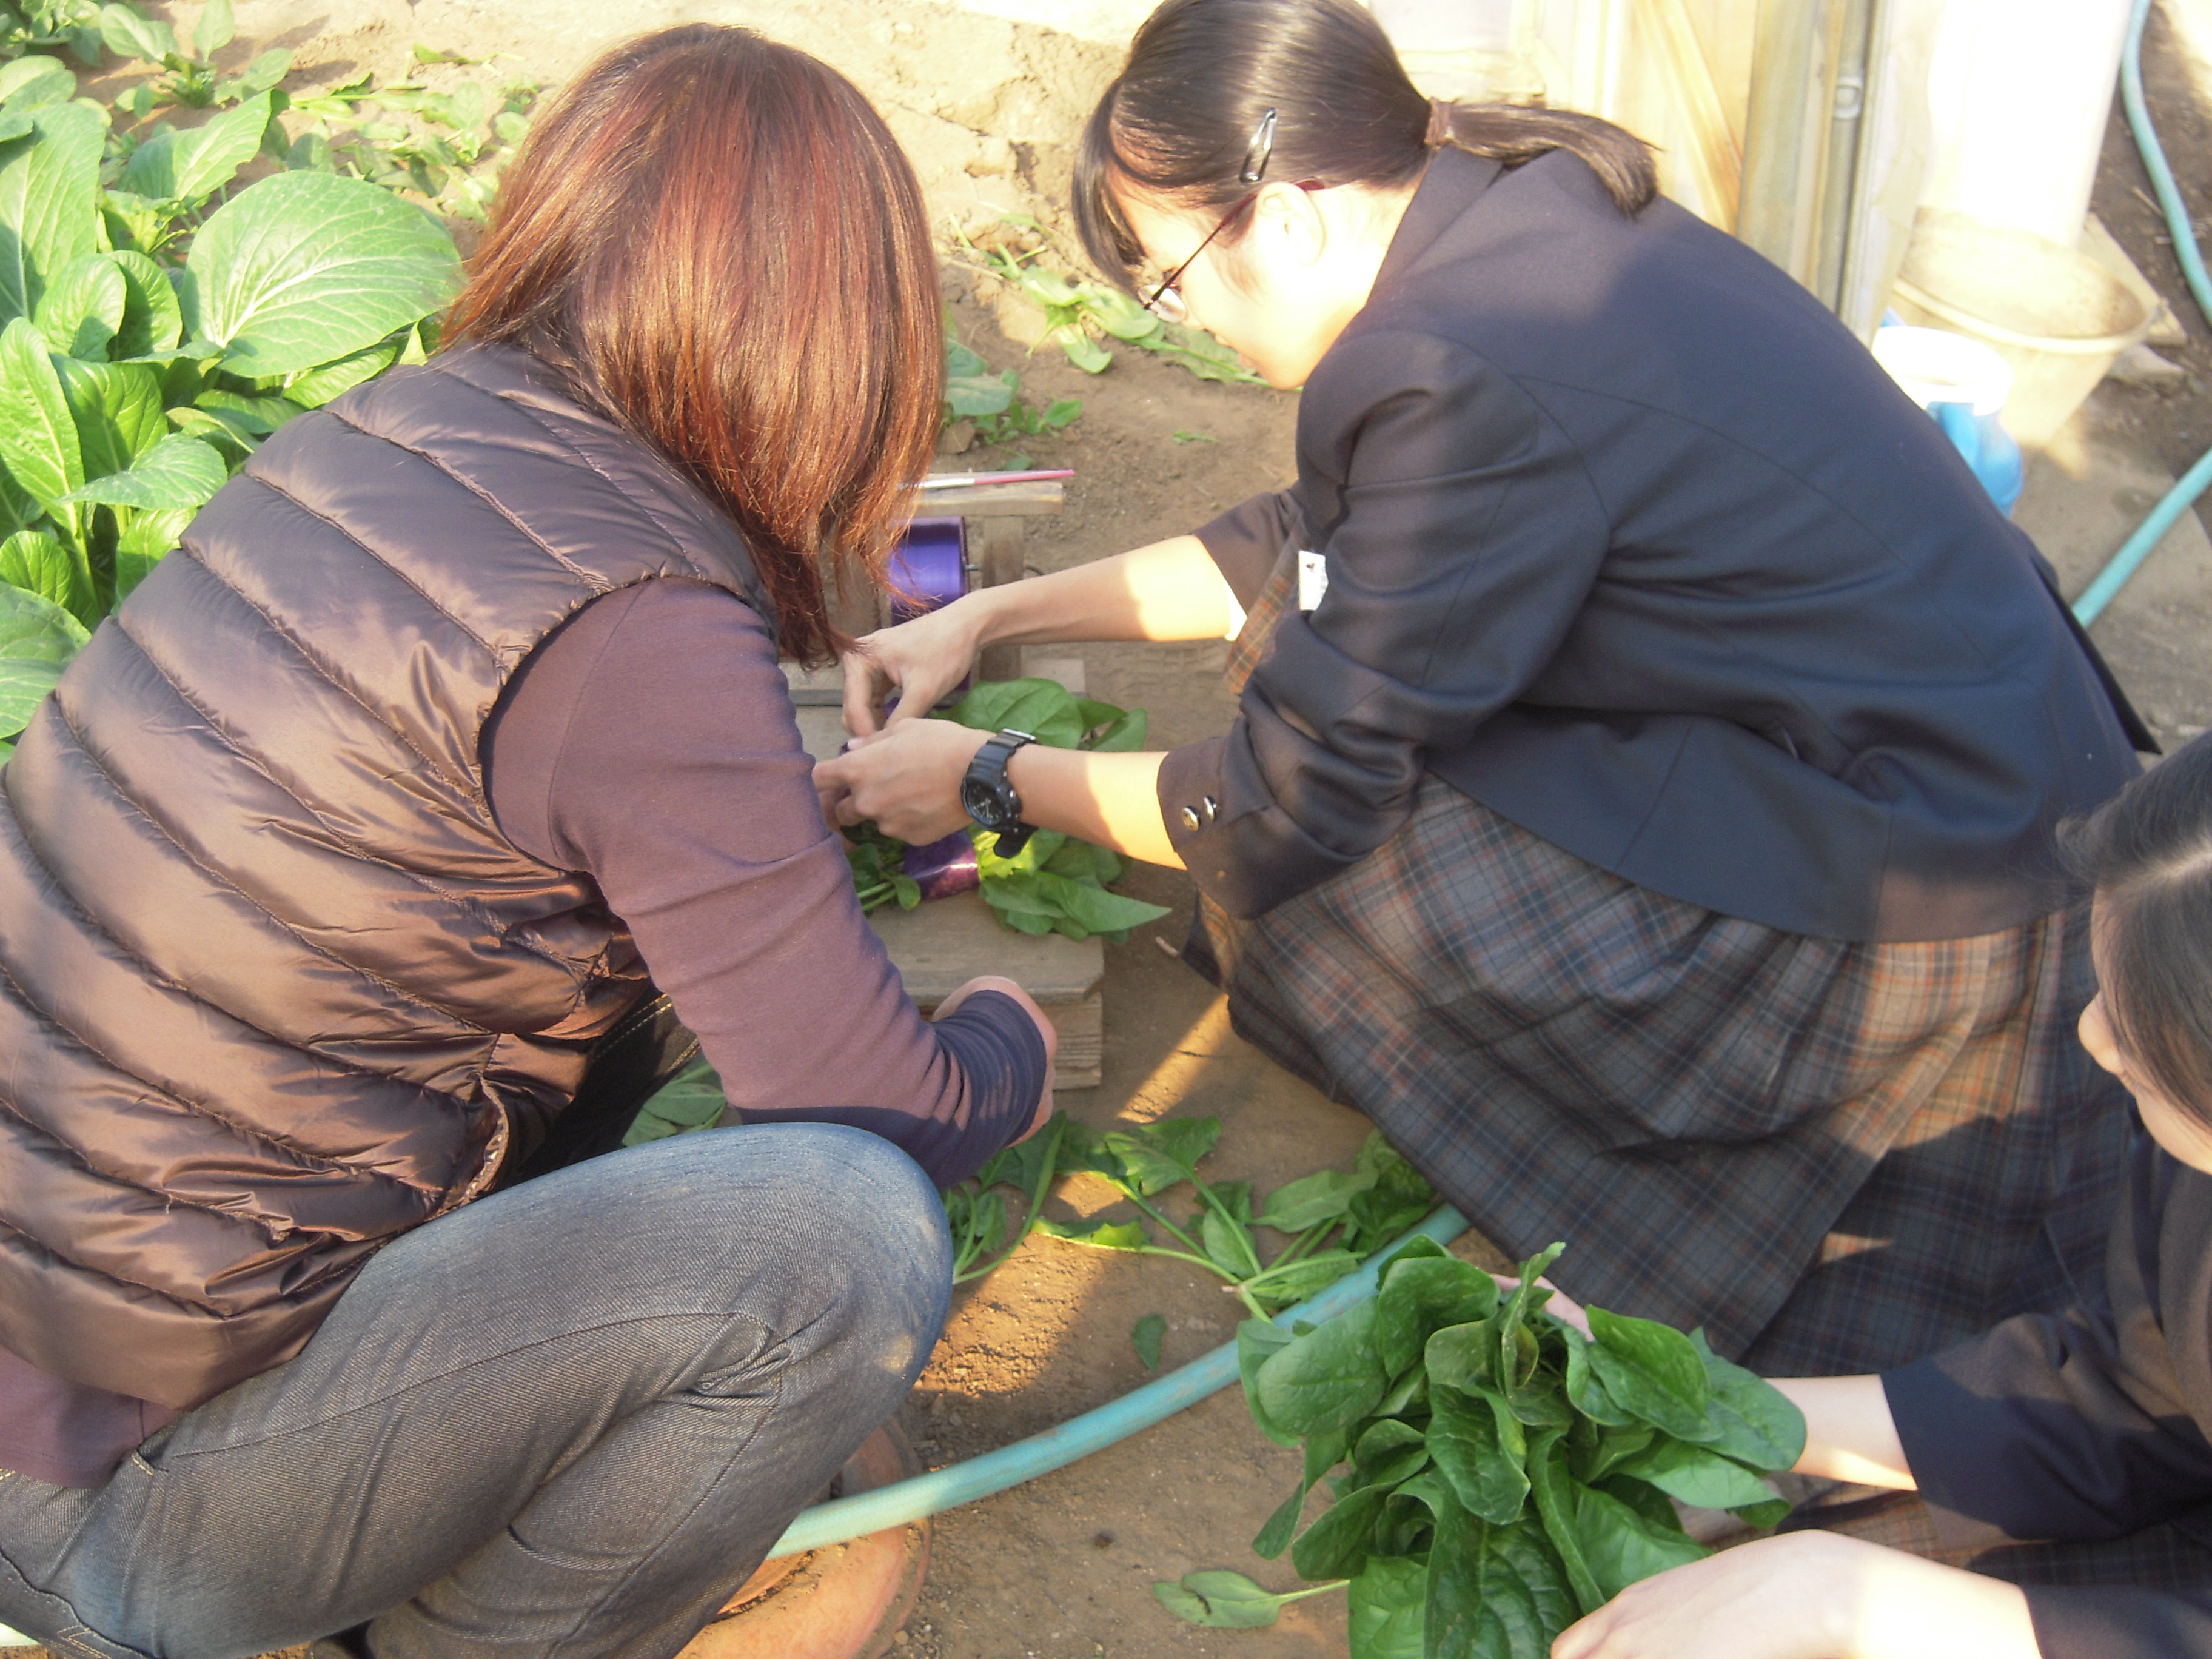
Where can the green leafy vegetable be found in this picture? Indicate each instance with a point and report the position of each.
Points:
(1144, 1336)
(158, 318)
(1227, 1601)
(1081, 317)
(1146, 1162)
(1486, 1506)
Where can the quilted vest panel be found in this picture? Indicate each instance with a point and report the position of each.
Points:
(273, 987)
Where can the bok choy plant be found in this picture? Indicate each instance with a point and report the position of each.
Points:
(162, 309)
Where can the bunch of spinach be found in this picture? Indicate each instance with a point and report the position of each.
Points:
(135, 370)
(1055, 884)
(878, 867)
(1506, 1475)
(1333, 1218)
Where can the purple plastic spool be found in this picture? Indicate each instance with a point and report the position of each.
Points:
(929, 567)
(945, 867)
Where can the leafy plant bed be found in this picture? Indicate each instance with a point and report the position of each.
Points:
(1506, 1474)
(160, 315)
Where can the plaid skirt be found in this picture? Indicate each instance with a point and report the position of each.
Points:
(1835, 1156)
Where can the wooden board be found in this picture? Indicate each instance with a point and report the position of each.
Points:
(944, 943)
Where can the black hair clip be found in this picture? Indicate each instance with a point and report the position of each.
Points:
(1257, 153)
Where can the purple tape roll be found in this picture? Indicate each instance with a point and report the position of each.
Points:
(928, 568)
(945, 867)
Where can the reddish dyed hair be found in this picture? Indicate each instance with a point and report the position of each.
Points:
(717, 241)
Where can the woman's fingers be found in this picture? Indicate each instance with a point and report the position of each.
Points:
(905, 777)
(865, 685)
(921, 660)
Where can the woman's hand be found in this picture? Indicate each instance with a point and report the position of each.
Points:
(1807, 1596)
(905, 777)
(922, 660)
(1046, 1029)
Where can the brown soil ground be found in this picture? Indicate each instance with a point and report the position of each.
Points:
(1063, 1568)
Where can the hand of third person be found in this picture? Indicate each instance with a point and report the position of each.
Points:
(905, 777)
(1807, 1596)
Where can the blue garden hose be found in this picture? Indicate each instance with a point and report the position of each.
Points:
(2137, 548)
(846, 1518)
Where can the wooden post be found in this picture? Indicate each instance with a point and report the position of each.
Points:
(994, 514)
(997, 548)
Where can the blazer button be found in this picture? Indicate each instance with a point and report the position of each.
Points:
(1212, 807)
(1189, 818)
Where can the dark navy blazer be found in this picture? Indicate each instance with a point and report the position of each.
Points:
(1630, 540)
(2092, 1423)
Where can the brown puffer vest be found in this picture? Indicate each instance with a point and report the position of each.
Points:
(276, 988)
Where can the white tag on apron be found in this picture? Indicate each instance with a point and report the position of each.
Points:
(1313, 579)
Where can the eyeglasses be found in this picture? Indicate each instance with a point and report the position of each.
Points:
(1166, 301)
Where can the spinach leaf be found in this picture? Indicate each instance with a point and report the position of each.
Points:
(1337, 1546)
(1484, 1460)
(1328, 1378)
(1494, 1592)
(1695, 1475)
(1621, 1546)
(1144, 1335)
(1257, 1341)
(1323, 1452)
(1553, 1490)
(1326, 1195)
(1387, 1602)
(1755, 1423)
(1227, 1601)
(1389, 1453)
(1653, 1372)
(1423, 1296)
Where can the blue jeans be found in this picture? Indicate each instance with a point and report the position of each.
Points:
(571, 1417)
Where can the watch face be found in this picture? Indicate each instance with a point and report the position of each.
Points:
(981, 803)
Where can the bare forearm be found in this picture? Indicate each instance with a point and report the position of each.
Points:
(1111, 800)
(1848, 1432)
(1169, 590)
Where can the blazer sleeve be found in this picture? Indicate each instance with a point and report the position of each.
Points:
(1464, 537)
(2120, 1622)
(1245, 541)
(2074, 1425)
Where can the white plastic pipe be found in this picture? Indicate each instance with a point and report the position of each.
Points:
(2019, 92)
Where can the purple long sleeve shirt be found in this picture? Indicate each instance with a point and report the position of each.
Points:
(651, 742)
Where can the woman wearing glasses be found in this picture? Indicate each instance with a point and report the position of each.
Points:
(1650, 736)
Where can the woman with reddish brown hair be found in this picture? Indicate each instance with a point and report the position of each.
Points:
(433, 801)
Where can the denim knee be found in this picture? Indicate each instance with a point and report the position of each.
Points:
(876, 1239)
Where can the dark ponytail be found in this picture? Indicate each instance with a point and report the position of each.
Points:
(1202, 75)
(2148, 852)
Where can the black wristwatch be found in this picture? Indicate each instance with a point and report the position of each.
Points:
(990, 799)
